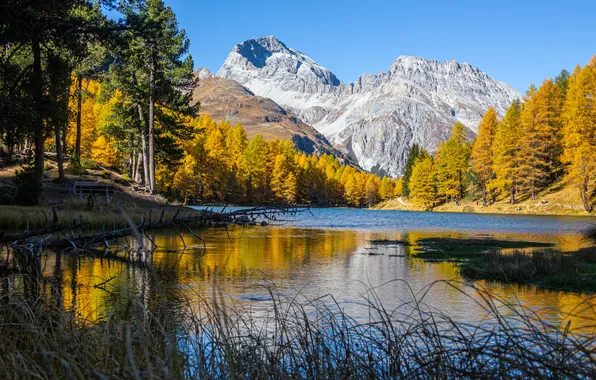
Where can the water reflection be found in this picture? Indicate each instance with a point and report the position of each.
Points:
(311, 262)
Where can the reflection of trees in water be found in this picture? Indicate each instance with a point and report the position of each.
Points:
(290, 257)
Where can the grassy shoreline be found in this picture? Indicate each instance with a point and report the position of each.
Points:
(515, 262)
(297, 339)
(559, 199)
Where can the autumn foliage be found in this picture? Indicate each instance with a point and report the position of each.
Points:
(548, 136)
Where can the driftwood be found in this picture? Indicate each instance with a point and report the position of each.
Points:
(33, 241)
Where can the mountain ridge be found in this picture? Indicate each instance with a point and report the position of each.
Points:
(379, 116)
(227, 100)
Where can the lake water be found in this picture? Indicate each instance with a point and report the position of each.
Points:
(325, 251)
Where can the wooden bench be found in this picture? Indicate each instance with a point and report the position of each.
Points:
(82, 188)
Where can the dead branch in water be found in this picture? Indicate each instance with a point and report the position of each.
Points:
(109, 239)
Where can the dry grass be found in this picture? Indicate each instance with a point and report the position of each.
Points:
(96, 215)
(297, 339)
(575, 271)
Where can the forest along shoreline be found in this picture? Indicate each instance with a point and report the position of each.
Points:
(554, 203)
(136, 203)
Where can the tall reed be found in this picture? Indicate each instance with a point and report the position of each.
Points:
(296, 338)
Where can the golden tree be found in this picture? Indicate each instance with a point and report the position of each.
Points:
(506, 152)
(373, 184)
(481, 157)
(540, 146)
(422, 186)
(451, 160)
(579, 132)
(387, 188)
(253, 169)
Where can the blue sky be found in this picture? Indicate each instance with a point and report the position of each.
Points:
(518, 42)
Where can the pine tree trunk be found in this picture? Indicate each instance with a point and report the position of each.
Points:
(138, 176)
(59, 131)
(583, 192)
(152, 182)
(145, 160)
(59, 156)
(65, 126)
(38, 126)
(144, 148)
(79, 107)
(132, 164)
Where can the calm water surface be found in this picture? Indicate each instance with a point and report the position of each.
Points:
(314, 254)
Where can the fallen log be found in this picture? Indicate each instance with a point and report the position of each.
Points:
(205, 218)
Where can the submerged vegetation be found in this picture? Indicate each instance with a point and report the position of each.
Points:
(573, 271)
(298, 338)
(515, 262)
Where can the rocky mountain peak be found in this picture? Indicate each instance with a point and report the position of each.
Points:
(203, 73)
(378, 117)
(267, 57)
(258, 50)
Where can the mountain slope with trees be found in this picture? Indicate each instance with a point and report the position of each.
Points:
(543, 146)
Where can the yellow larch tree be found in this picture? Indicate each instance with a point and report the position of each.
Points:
(372, 189)
(90, 113)
(387, 188)
(506, 153)
(481, 156)
(451, 161)
(103, 152)
(253, 169)
(579, 132)
(540, 147)
(422, 183)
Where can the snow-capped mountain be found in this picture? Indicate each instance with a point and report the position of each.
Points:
(378, 117)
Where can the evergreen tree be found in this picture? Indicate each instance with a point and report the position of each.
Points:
(414, 153)
(562, 82)
(41, 35)
(155, 73)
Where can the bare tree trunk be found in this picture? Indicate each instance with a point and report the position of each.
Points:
(144, 149)
(152, 181)
(131, 163)
(138, 177)
(59, 156)
(65, 126)
(584, 194)
(38, 126)
(79, 107)
(512, 195)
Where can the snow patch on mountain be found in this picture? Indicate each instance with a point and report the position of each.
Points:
(378, 117)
